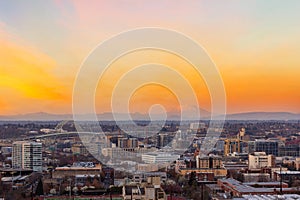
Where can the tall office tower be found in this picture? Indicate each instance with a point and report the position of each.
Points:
(209, 162)
(163, 139)
(132, 143)
(232, 145)
(122, 143)
(27, 155)
(291, 148)
(261, 145)
(196, 126)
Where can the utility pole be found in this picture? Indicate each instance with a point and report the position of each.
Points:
(70, 191)
(202, 192)
(31, 191)
(281, 178)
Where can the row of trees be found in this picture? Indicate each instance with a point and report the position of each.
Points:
(89, 183)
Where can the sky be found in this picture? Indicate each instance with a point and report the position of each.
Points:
(254, 44)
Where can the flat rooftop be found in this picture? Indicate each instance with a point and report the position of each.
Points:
(271, 197)
(66, 168)
(288, 172)
(243, 188)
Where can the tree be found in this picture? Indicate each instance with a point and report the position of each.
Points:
(240, 177)
(172, 188)
(39, 188)
(181, 180)
(96, 183)
(116, 190)
(88, 181)
(192, 179)
(189, 189)
(102, 176)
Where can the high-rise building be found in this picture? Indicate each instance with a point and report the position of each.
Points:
(27, 155)
(196, 126)
(209, 162)
(132, 143)
(267, 146)
(122, 143)
(163, 139)
(234, 145)
(290, 149)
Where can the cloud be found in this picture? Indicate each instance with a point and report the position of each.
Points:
(27, 73)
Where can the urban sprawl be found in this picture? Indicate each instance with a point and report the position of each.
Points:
(52, 160)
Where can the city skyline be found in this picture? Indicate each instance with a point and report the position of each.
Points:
(254, 45)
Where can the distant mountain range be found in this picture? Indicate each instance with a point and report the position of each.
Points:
(264, 116)
(42, 116)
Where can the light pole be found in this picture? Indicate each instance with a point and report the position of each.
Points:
(70, 191)
(12, 180)
(2, 174)
(281, 178)
(59, 189)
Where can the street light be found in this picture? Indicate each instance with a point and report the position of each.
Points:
(2, 174)
(281, 177)
(70, 191)
(12, 179)
(59, 189)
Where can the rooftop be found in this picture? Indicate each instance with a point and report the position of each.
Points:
(243, 188)
(15, 178)
(80, 167)
(288, 172)
(274, 183)
(271, 197)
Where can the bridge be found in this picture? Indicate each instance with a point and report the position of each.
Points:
(60, 134)
(59, 131)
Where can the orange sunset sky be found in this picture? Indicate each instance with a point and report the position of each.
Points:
(254, 44)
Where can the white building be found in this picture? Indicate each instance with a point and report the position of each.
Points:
(259, 160)
(159, 157)
(27, 155)
(196, 125)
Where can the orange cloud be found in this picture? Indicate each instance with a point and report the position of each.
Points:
(26, 74)
(258, 58)
(262, 79)
(151, 94)
(145, 97)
